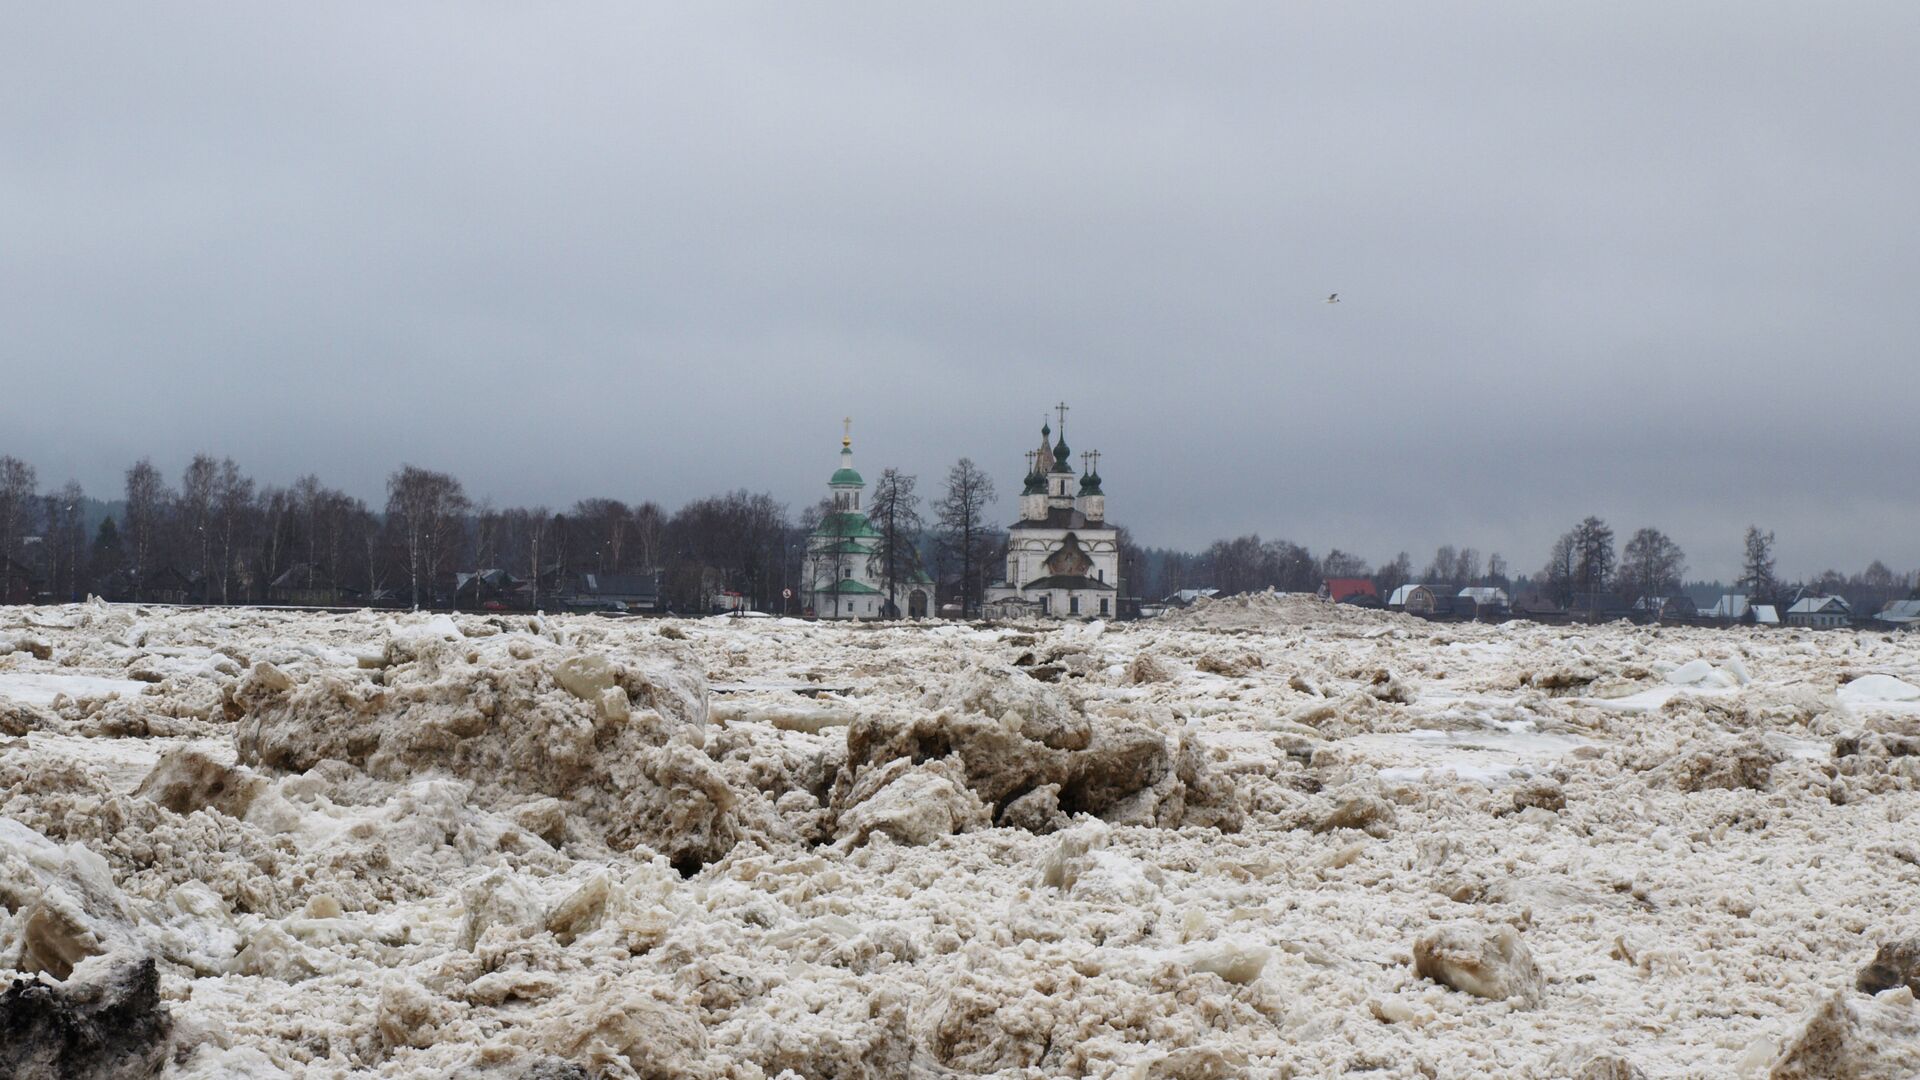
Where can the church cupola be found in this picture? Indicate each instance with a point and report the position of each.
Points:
(846, 484)
(1092, 501)
(1033, 496)
(1060, 476)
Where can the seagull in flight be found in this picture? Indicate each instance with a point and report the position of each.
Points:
(1333, 298)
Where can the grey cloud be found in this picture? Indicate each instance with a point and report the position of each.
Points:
(1635, 260)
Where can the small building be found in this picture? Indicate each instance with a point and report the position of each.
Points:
(638, 590)
(1480, 601)
(1820, 611)
(1679, 606)
(19, 583)
(1184, 598)
(494, 588)
(306, 585)
(1600, 607)
(1418, 599)
(1735, 607)
(1731, 606)
(1351, 590)
(167, 585)
(1900, 613)
(1536, 605)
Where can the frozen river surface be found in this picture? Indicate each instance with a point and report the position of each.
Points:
(1265, 837)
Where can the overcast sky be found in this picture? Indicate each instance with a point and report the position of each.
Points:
(1650, 261)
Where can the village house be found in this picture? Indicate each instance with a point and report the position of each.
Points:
(1415, 598)
(1900, 613)
(1820, 611)
(638, 590)
(1358, 591)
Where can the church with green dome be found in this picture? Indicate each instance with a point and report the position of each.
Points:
(1063, 555)
(843, 578)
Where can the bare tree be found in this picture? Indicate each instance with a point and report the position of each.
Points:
(147, 498)
(233, 505)
(426, 507)
(539, 524)
(828, 551)
(199, 487)
(895, 514)
(1592, 556)
(274, 543)
(1341, 564)
(604, 527)
(1394, 574)
(488, 524)
(1560, 572)
(1445, 564)
(964, 533)
(309, 497)
(1239, 565)
(1466, 566)
(17, 511)
(649, 531)
(66, 541)
(1650, 567)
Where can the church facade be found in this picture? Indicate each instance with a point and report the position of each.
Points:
(1063, 555)
(843, 577)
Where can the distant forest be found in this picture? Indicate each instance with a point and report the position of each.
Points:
(216, 536)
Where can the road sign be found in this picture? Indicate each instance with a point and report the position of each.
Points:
(786, 594)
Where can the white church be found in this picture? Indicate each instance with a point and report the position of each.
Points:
(1063, 555)
(843, 578)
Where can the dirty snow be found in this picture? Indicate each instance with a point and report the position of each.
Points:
(1264, 837)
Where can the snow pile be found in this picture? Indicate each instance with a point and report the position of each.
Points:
(1026, 750)
(521, 718)
(1876, 689)
(1273, 610)
(89, 1003)
(1849, 1038)
(1491, 963)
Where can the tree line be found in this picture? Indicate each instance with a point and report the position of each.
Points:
(1583, 564)
(233, 540)
(222, 538)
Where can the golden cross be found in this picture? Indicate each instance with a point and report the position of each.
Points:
(847, 438)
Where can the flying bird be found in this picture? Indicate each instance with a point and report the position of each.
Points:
(1333, 298)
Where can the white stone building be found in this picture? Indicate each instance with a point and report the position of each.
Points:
(1063, 555)
(843, 578)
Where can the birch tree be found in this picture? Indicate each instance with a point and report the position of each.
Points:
(1650, 567)
(199, 493)
(426, 507)
(147, 498)
(964, 533)
(895, 514)
(233, 506)
(17, 510)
